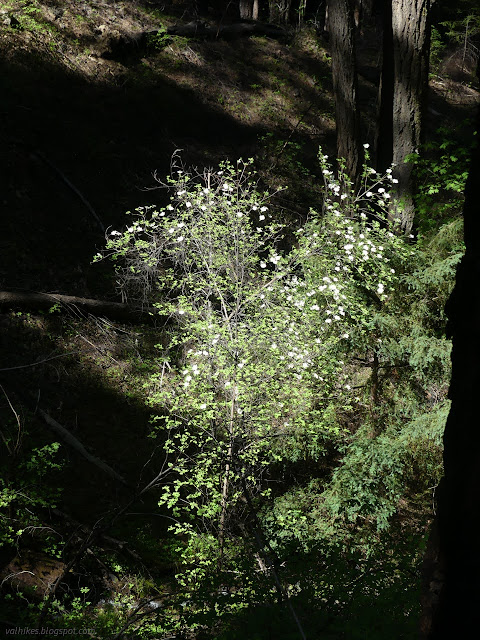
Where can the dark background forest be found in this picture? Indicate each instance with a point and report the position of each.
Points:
(164, 474)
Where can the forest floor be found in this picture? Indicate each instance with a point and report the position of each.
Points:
(83, 101)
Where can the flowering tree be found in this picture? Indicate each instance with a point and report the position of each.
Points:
(255, 368)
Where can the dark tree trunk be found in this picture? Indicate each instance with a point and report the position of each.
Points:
(451, 595)
(384, 132)
(341, 28)
(411, 46)
(248, 9)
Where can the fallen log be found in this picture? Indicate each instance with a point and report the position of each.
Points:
(33, 300)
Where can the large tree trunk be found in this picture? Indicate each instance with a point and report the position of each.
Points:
(248, 9)
(411, 46)
(341, 27)
(384, 131)
(451, 597)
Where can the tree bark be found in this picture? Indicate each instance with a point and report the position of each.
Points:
(454, 610)
(384, 131)
(411, 47)
(341, 27)
(248, 9)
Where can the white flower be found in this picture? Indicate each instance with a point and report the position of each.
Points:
(262, 209)
(328, 321)
(395, 181)
(262, 217)
(381, 190)
(380, 288)
(366, 145)
(115, 233)
(172, 230)
(274, 346)
(392, 270)
(180, 239)
(188, 204)
(386, 196)
(188, 378)
(348, 387)
(203, 406)
(239, 214)
(263, 264)
(345, 335)
(343, 196)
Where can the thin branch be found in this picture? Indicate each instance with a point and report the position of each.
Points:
(34, 364)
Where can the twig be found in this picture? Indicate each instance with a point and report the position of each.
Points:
(34, 364)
